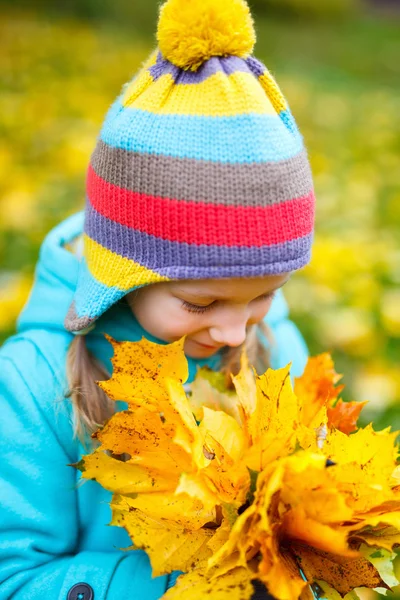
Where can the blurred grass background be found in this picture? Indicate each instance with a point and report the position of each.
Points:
(338, 62)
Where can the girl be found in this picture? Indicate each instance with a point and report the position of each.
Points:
(199, 207)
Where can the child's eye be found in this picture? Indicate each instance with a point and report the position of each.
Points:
(195, 308)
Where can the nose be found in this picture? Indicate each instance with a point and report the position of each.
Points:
(230, 330)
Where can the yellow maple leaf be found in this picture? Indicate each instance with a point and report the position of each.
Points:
(178, 509)
(168, 545)
(224, 445)
(197, 467)
(233, 585)
(245, 386)
(232, 497)
(309, 485)
(283, 574)
(147, 438)
(141, 369)
(341, 572)
(122, 477)
(365, 462)
(272, 424)
(292, 505)
(215, 445)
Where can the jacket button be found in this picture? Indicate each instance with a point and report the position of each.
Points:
(260, 591)
(81, 591)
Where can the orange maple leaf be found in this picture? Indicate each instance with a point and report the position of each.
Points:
(317, 386)
(344, 415)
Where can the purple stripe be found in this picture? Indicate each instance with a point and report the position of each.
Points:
(163, 67)
(256, 66)
(188, 260)
(258, 69)
(216, 64)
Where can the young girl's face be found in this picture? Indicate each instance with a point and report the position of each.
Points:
(211, 313)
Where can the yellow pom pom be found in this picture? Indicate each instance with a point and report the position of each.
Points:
(192, 31)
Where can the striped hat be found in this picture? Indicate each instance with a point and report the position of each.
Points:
(199, 172)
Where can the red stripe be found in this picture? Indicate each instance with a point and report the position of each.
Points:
(199, 222)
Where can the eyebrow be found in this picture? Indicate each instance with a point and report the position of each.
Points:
(197, 294)
(208, 296)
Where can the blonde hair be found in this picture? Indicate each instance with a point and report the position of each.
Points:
(92, 407)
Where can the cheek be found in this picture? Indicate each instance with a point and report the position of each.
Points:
(180, 322)
(259, 312)
(169, 323)
(171, 328)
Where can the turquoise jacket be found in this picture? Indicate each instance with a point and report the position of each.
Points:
(54, 531)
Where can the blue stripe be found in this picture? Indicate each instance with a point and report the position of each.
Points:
(92, 298)
(245, 138)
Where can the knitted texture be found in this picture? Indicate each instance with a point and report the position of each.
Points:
(189, 33)
(196, 175)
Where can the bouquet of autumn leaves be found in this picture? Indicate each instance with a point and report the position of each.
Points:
(265, 483)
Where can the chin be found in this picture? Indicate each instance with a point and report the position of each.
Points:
(205, 354)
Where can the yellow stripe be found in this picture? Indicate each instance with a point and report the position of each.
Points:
(116, 271)
(151, 60)
(273, 92)
(219, 95)
(140, 82)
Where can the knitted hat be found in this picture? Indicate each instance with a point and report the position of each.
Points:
(200, 171)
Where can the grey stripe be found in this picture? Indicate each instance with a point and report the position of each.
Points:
(255, 184)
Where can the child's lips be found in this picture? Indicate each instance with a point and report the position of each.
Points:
(207, 346)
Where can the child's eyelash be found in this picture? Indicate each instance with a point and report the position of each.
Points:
(195, 308)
